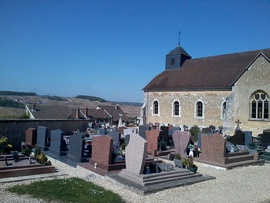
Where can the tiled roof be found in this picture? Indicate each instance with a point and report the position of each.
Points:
(209, 73)
(98, 114)
(50, 112)
(115, 112)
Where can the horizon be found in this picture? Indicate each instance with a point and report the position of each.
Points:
(112, 50)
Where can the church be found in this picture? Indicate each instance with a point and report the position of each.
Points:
(223, 91)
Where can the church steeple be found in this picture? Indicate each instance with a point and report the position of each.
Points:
(179, 38)
(176, 57)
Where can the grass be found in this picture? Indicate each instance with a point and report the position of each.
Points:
(67, 190)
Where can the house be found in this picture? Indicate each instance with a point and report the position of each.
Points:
(102, 113)
(216, 90)
(35, 111)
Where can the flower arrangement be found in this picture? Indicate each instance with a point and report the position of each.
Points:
(5, 147)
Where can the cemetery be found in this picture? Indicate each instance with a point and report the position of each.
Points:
(146, 159)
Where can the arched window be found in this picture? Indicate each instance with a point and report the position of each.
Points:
(223, 109)
(259, 105)
(199, 109)
(155, 108)
(176, 108)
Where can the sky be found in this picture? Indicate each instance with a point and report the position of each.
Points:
(113, 48)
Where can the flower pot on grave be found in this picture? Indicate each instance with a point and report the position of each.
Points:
(194, 168)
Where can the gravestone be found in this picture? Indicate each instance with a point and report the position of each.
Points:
(171, 131)
(181, 141)
(128, 131)
(248, 138)
(164, 134)
(142, 130)
(127, 138)
(238, 138)
(31, 137)
(58, 144)
(152, 141)
(121, 130)
(76, 147)
(102, 131)
(102, 149)
(43, 139)
(207, 130)
(135, 155)
(265, 138)
(213, 148)
(115, 134)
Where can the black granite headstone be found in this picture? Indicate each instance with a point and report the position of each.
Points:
(142, 130)
(248, 138)
(76, 147)
(265, 138)
(164, 133)
(238, 138)
(43, 139)
(58, 144)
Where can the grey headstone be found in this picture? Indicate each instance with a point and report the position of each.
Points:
(102, 131)
(178, 163)
(115, 134)
(42, 137)
(181, 141)
(142, 130)
(248, 137)
(136, 154)
(76, 146)
(173, 129)
(58, 145)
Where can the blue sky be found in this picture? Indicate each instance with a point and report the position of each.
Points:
(112, 49)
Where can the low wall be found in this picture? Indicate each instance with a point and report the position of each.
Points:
(15, 129)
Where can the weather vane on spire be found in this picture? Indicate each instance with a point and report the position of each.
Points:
(179, 38)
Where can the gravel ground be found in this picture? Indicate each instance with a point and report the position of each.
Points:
(243, 184)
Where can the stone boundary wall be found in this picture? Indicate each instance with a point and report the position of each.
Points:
(15, 129)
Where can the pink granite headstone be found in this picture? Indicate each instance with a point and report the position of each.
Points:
(213, 148)
(31, 136)
(102, 150)
(136, 154)
(181, 141)
(152, 141)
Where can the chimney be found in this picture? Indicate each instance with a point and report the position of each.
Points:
(86, 111)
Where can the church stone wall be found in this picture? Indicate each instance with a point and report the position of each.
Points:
(257, 77)
(212, 101)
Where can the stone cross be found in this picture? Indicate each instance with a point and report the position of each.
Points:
(238, 125)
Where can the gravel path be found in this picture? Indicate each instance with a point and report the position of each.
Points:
(243, 184)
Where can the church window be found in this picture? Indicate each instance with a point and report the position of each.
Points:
(223, 109)
(155, 109)
(176, 108)
(259, 104)
(172, 61)
(199, 109)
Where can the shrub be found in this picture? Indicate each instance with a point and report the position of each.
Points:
(26, 150)
(194, 130)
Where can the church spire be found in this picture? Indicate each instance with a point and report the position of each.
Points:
(179, 38)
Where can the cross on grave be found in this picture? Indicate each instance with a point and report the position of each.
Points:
(238, 125)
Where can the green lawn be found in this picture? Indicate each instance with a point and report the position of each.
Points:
(67, 190)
